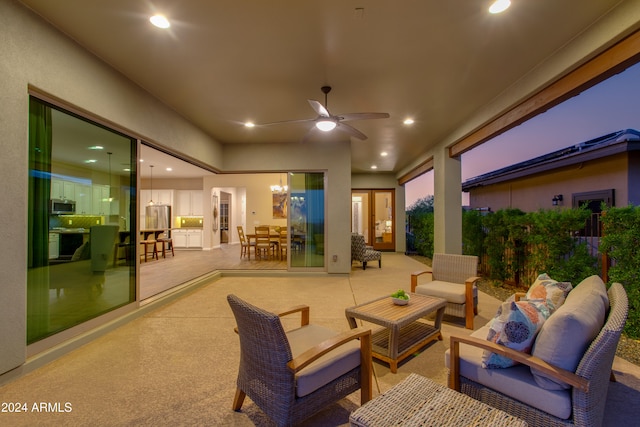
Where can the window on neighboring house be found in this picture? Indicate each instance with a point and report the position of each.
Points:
(593, 200)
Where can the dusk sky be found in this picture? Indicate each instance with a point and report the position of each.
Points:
(608, 107)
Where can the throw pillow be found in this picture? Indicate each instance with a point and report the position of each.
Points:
(515, 325)
(546, 289)
(566, 335)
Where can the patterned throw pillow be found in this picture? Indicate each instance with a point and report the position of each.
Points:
(515, 325)
(549, 290)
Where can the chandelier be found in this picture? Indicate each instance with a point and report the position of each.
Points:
(279, 188)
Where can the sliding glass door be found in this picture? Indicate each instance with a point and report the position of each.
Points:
(81, 260)
(306, 219)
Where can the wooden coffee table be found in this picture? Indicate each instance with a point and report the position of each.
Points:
(404, 329)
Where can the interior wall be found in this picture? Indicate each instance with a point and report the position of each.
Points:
(34, 54)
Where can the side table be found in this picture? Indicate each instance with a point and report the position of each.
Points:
(418, 401)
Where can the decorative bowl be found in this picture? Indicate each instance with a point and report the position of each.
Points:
(399, 301)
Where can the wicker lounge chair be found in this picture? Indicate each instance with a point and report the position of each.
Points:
(294, 374)
(453, 279)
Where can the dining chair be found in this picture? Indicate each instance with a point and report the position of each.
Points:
(245, 245)
(283, 243)
(293, 374)
(265, 247)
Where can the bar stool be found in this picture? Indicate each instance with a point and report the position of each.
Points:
(154, 250)
(167, 243)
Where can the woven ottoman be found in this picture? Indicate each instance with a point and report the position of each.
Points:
(418, 401)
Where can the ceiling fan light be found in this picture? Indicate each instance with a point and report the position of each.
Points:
(160, 21)
(499, 6)
(326, 125)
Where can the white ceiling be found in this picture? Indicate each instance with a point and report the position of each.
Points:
(225, 62)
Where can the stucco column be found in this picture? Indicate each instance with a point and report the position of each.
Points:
(447, 203)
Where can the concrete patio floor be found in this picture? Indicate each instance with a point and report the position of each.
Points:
(177, 364)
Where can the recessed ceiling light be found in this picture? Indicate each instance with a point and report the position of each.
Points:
(126, 170)
(374, 167)
(169, 169)
(249, 124)
(499, 6)
(141, 160)
(383, 154)
(90, 161)
(96, 147)
(160, 21)
(408, 121)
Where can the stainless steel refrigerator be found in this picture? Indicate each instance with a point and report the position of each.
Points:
(158, 217)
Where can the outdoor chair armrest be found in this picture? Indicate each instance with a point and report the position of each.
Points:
(304, 313)
(571, 378)
(414, 277)
(366, 369)
(318, 350)
(304, 316)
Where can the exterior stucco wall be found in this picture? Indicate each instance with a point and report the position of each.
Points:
(536, 191)
(35, 54)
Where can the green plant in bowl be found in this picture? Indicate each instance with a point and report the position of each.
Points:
(400, 297)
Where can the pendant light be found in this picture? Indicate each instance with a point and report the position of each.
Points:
(110, 195)
(151, 187)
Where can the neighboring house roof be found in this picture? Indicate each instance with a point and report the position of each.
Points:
(603, 146)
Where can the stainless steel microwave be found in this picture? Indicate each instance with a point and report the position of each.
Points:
(62, 207)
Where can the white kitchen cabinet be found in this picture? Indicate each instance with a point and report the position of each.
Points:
(187, 238)
(159, 197)
(62, 189)
(189, 203)
(54, 245)
(84, 199)
(101, 205)
(194, 239)
(179, 238)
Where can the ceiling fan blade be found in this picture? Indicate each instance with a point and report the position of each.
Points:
(319, 108)
(351, 131)
(285, 121)
(363, 116)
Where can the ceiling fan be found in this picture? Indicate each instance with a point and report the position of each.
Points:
(327, 122)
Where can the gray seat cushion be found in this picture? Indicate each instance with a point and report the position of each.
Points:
(452, 292)
(516, 382)
(326, 368)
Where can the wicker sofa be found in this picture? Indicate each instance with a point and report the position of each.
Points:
(564, 381)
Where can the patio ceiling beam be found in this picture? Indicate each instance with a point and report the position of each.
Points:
(422, 168)
(610, 62)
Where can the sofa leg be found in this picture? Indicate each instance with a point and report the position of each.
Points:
(380, 263)
(364, 265)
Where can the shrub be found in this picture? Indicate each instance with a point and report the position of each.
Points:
(553, 246)
(420, 226)
(503, 231)
(621, 241)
